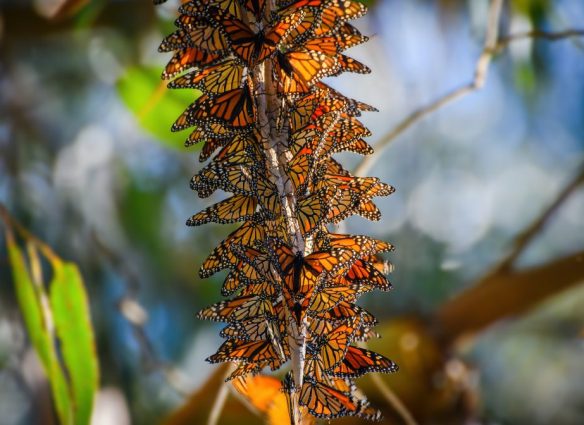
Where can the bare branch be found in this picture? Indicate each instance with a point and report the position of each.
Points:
(490, 49)
(219, 404)
(523, 240)
(483, 303)
(549, 36)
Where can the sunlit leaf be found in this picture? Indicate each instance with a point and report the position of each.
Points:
(155, 107)
(198, 407)
(265, 394)
(73, 326)
(29, 300)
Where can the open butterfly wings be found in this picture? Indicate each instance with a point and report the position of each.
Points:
(228, 48)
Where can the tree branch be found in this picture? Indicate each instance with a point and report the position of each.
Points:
(523, 240)
(491, 48)
(512, 291)
(546, 35)
(507, 294)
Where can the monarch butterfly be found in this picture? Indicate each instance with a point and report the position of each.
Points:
(359, 361)
(330, 296)
(327, 402)
(354, 106)
(251, 47)
(236, 208)
(238, 150)
(217, 79)
(336, 12)
(234, 282)
(255, 259)
(244, 369)
(238, 309)
(313, 210)
(216, 7)
(343, 311)
(268, 194)
(298, 70)
(362, 330)
(312, 106)
(264, 287)
(250, 232)
(208, 130)
(270, 353)
(236, 179)
(186, 58)
(195, 32)
(348, 36)
(360, 244)
(347, 64)
(330, 348)
(235, 108)
(255, 329)
(363, 272)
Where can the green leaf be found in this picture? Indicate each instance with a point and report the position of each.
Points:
(29, 298)
(155, 107)
(73, 325)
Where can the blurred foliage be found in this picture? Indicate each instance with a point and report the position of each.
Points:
(146, 95)
(59, 326)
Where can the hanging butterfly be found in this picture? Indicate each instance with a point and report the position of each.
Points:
(234, 108)
(359, 361)
(221, 78)
(330, 348)
(189, 57)
(222, 257)
(238, 309)
(236, 208)
(253, 48)
(270, 353)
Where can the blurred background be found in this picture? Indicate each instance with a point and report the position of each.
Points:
(89, 165)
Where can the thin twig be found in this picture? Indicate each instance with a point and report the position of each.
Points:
(25, 234)
(523, 240)
(490, 49)
(131, 309)
(393, 400)
(546, 35)
(218, 404)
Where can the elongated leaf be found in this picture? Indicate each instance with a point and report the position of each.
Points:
(155, 107)
(73, 326)
(41, 339)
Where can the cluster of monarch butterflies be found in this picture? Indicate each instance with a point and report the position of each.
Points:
(293, 283)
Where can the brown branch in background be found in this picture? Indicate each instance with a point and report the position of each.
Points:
(523, 240)
(131, 309)
(503, 292)
(506, 295)
(490, 49)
